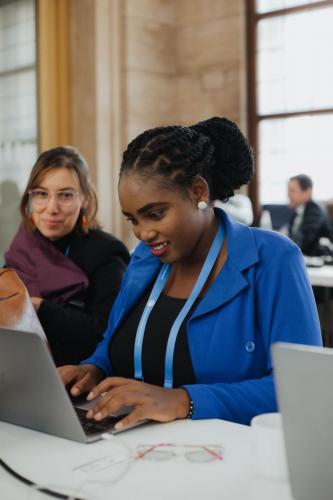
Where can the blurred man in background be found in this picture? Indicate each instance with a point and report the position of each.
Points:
(309, 220)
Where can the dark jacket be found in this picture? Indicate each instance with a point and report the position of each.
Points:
(316, 224)
(75, 327)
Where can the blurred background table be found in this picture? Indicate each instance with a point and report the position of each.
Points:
(323, 277)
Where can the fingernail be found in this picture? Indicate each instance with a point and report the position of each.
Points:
(98, 416)
(75, 391)
(89, 414)
(118, 426)
(90, 396)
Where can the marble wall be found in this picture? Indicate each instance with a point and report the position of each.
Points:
(185, 61)
(211, 55)
(82, 36)
(152, 62)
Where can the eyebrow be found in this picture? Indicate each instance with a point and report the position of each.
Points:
(61, 189)
(147, 207)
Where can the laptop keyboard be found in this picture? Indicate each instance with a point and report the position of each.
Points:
(92, 427)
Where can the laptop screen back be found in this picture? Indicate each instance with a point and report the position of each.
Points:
(31, 392)
(304, 380)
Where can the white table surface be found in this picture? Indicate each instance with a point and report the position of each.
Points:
(321, 276)
(54, 461)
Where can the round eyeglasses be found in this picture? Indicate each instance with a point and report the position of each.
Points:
(64, 197)
(193, 453)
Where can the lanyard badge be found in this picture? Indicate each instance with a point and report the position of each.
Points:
(154, 295)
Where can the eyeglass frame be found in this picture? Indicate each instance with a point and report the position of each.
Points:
(214, 451)
(43, 203)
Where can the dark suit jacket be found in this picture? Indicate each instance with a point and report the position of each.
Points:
(316, 224)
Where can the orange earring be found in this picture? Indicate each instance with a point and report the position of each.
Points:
(28, 212)
(85, 221)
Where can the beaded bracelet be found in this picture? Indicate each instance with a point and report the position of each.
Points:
(190, 410)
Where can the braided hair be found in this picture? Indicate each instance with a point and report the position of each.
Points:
(214, 149)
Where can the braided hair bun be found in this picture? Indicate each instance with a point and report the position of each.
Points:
(214, 149)
(233, 166)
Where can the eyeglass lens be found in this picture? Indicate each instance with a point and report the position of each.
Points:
(63, 197)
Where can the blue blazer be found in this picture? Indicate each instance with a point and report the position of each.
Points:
(261, 295)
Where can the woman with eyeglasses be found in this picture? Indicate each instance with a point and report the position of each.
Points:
(71, 269)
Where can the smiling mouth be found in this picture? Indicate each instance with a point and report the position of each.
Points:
(159, 247)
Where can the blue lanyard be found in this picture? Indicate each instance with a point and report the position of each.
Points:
(154, 295)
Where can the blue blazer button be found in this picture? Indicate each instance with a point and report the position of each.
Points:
(250, 346)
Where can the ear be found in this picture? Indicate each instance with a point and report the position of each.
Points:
(85, 202)
(199, 191)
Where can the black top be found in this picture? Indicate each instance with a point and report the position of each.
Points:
(75, 327)
(160, 321)
(315, 225)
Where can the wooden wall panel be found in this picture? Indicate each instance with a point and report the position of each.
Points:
(53, 73)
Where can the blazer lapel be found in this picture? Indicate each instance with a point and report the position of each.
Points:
(229, 282)
(242, 254)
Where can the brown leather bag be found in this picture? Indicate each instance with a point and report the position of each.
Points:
(16, 309)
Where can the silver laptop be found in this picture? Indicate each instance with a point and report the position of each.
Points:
(32, 394)
(304, 380)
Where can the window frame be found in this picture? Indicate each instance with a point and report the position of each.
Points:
(253, 117)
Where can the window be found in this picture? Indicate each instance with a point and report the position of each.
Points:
(291, 89)
(18, 118)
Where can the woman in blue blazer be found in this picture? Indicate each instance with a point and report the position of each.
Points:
(204, 297)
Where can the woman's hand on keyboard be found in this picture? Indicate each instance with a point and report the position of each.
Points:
(148, 401)
(83, 377)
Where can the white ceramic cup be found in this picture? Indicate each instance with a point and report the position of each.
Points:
(269, 454)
